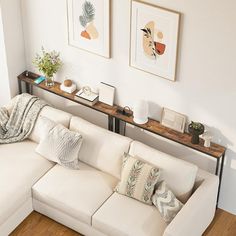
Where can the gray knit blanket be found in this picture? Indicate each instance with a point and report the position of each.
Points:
(18, 125)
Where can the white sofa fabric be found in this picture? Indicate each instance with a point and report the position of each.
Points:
(20, 169)
(199, 210)
(123, 216)
(101, 148)
(84, 199)
(179, 175)
(76, 193)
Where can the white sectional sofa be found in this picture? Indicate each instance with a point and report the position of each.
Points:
(84, 199)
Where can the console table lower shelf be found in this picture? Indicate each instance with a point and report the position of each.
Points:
(115, 118)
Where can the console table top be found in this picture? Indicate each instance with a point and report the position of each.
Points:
(215, 150)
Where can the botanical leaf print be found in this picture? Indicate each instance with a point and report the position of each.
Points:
(150, 184)
(88, 13)
(133, 177)
(89, 31)
(138, 179)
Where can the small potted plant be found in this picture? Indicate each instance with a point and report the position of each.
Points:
(195, 129)
(48, 63)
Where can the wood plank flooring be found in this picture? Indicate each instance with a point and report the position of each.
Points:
(36, 224)
(224, 224)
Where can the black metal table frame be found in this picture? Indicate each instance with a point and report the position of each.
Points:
(114, 126)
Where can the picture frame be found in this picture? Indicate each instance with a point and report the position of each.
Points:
(173, 120)
(106, 93)
(154, 33)
(89, 25)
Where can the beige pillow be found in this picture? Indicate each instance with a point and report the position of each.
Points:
(62, 146)
(138, 179)
(166, 202)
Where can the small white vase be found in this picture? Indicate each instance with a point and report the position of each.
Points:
(141, 112)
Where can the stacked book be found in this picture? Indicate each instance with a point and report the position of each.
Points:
(86, 98)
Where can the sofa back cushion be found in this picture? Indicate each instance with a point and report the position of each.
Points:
(58, 116)
(101, 148)
(178, 174)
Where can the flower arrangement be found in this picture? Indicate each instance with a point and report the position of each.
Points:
(196, 129)
(196, 125)
(48, 63)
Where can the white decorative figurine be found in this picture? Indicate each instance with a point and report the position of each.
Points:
(207, 137)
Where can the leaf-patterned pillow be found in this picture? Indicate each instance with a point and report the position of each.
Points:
(138, 179)
(166, 202)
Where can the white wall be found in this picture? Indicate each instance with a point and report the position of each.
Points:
(205, 89)
(12, 45)
(4, 88)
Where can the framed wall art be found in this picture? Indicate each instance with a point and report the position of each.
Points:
(89, 25)
(173, 120)
(154, 39)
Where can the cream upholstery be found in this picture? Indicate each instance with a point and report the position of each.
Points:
(84, 200)
(65, 219)
(77, 193)
(16, 218)
(199, 210)
(20, 168)
(178, 174)
(101, 148)
(58, 116)
(123, 216)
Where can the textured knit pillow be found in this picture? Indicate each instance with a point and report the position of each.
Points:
(62, 146)
(166, 202)
(138, 179)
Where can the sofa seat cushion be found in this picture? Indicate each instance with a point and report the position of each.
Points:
(178, 174)
(20, 168)
(77, 193)
(101, 148)
(124, 216)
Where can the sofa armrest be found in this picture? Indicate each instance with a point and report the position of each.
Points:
(199, 210)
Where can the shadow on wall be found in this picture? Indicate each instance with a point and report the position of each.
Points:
(155, 110)
(218, 136)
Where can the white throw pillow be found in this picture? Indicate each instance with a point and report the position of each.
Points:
(166, 202)
(61, 146)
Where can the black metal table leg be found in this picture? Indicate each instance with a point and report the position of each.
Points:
(31, 89)
(217, 166)
(221, 175)
(117, 125)
(19, 86)
(110, 123)
(27, 87)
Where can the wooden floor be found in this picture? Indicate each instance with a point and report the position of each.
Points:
(224, 224)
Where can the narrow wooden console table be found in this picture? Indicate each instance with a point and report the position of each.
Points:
(114, 118)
